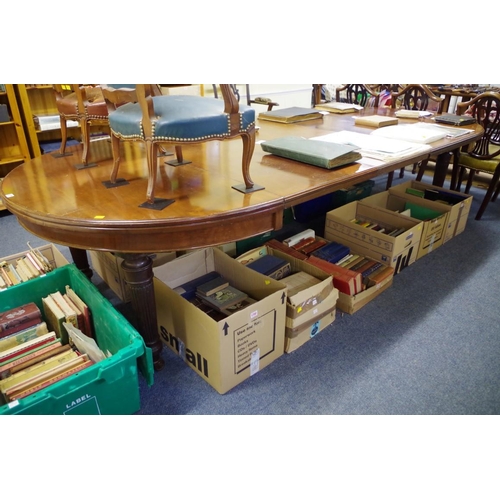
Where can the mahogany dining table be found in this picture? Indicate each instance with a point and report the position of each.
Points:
(73, 207)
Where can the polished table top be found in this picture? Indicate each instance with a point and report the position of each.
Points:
(72, 207)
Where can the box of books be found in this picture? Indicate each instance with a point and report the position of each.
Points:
(456, 204)
(357, 279)
(375, 232)
(434, 216)
(109, 267)
(90, 369)
(30, 264)
(311, 300)
(226, 321)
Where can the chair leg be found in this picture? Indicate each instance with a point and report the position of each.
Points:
(248, 149)
(178, 154)
(152, 159)
(402, 173)
(421, 169)
(492, 188)
(115, 146)
(64, 135)
(497, 192)
(85, 129)
(390, 176)
(469, 180)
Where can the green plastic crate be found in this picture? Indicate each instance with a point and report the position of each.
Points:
(110, 387)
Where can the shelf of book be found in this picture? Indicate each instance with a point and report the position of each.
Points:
(40, 115)
(14, 148)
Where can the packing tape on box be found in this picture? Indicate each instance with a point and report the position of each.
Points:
(294, 311)
(291, 333)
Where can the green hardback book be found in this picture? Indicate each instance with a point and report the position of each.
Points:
(319, 153)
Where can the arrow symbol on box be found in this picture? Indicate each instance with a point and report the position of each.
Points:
(225, 329)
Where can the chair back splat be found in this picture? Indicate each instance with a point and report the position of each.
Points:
(356, 93)
(157, 120)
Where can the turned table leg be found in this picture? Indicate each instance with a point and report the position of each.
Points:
(138, 269)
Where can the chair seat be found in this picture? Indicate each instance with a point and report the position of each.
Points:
(465, 160)
(180, 118)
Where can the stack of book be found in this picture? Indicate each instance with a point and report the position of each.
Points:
(351, 273)
(213, 294)
(34, 356)
(32, 265)
(271, 266)
(376, 226)
(62, 308)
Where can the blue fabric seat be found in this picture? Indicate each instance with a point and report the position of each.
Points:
(180, 118)
(177, 119)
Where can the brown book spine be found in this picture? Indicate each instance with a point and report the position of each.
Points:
(11, 396)
(303, 243)
(379, 276)
(309, 249)
(41, 356)
(50, 349)
(17, 319)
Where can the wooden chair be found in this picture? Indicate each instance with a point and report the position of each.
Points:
(172, 119)
(250, 100)
(357, 93)
(414, 96)
(484, 155)
(83, 103)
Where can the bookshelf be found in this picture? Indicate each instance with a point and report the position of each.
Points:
(14, 148)
(40, 116)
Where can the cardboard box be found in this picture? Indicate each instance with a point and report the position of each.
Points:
(109, 387)
(297, 337)
(109, 267)
(226, 352)
(50, 252)
(353, 303)
(458, 212)
(396, 251)
(433, 230)
(315, 305)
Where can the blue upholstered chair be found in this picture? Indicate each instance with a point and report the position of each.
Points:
(176, 120)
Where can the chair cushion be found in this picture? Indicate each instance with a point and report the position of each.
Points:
(180, 118)
(468, 161)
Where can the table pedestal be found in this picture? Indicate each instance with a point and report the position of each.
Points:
(138, 269)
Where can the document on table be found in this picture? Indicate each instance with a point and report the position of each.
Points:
(450, 131)
(376, 148)
(413, 133)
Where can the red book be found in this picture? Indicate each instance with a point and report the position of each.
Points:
(345, 280)
(303, 243)
(19, 318)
